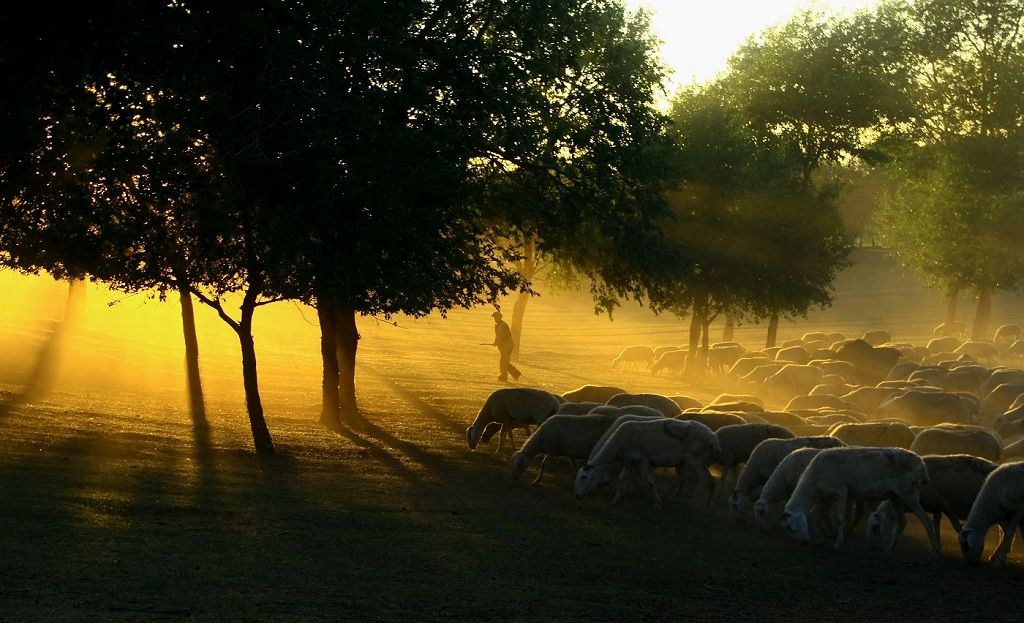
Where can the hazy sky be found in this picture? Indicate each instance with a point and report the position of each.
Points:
(699, 35)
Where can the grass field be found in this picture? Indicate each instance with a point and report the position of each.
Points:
(114, 508)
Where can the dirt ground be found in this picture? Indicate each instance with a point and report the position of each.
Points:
(115, 508)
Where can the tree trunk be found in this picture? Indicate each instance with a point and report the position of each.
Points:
(729, 331)
(260, 433)
(984, 311)
(705, 346)
(348, 342)
(193, 381)
(692, 358)
(952, 298)
(518, 311)
(330, 411)
(773, 330)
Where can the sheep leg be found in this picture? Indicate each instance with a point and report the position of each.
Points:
(536, 481)
(901, 525)
(858, 514)
(914, 504)
(709, 483)
(840, 518)
(501, 438)
(649, 477)
(1009, 531)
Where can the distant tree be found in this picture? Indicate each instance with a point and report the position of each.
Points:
(959, 168)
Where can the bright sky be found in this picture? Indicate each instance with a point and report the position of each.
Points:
(699, 35)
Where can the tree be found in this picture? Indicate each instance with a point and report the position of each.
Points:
(960, 160)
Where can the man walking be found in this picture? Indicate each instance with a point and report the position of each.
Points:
(503, 340)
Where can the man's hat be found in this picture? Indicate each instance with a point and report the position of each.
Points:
(496, 314)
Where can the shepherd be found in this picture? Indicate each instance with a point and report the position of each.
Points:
(503, 340)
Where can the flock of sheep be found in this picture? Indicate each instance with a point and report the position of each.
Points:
(932, 429)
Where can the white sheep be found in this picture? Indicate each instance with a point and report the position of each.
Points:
(1007, 334)
(840, 475)
(1001, 376)
(738, 441)
(1000, 501)
(577, 408)
(643, 410)
(513, 406)
(926, 408)
(779, 486)
(902, 370)
(746, 363)
(666, 405)
(728, 407)
(868, 398)
(687, 446)
(876, 337)
(592, 393)
(763, 461)
(821, 401)
(875, 434)
(634, 355)
(954, 327)
(686, 402)
(979, 351)
(674, 361)
(945, 344)
(945, 440)
(572, 436)
(722, 399)
(953, 484)
(999, 400)
(792, 354)
(723, 356)
(713, 420)
(792, 380)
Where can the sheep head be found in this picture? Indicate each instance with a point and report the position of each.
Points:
(762, 510)
(795, 524)
(472, 437)
(740, 505)
(519, 463)
(972, 545)
(589, 478)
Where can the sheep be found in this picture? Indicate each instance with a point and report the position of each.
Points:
(744, 406)
(592, 393)
(782, 418)
(779, 486)
(674, 361)
(965, 379)
(833, 419)
(945, 440)
(792, 354)
(943, 345)
(935, 376)
(731, 398)
(815, 336)
(830, 389)
(714, 421)
(822, 353)
(875, 434)
(791, 343)
(999, 400)
(723, 356)
(820, 401)
(792, 380)
(868, 398)
(513, 406)
(656, 401)
(1001, 500)
(760, 373)
(572, 436)
(763, 460)
(926, 408)
(753, 417)
(979, 351)
(687, 446)
(577, 408)
(816, 346)
(954, 327)
(634, 355)
(902, 370)
(834, 337)
(872, 364)
(953, 485)
(843, 369)
(1013, 451)
(1016, 349)
(838, 475)
(739, 440)
(746, 363)
(643, 410)
(686, 402)
(876, 337)
(1001, 376)
(661, 350)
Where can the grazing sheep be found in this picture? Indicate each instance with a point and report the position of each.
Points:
(722, 399)
(661, 350)
(934, 376)
(674, 361)
(1000, 501)
(953, 485)
(947, 441)
(843, 369)
(1014, 451)
(872, 364)
(822, 353)
(943, 345)
(753, 417)
(831, 389)
(592, 393)
(979, 351)
(792, 380)
(839, 475)
(954, 327)
(815, 336)
(723, 356)
(902, 371)
(1001, 376)
(577, 408)
(761, 373)
(937, 359)
(687, 446)
(572, 436)
(868, 399)
(746, 363)
(782, 418)
(763, 460)
(642, 410)
(965, 379)
(745, 406)
(685, 402)
(1016, 349)
(714, 421)
(739, 440)
(664, 404)
(793, 354)
(816, 346)
(833, 419)
(834, 337)
(926, 408)
(809, 430)
(875, 434)
(1000, 400)
(821, 401)
(635, 355)
(779, 486)
(791, 343)
(1010, 423)
(514, 406)
(876, 337)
